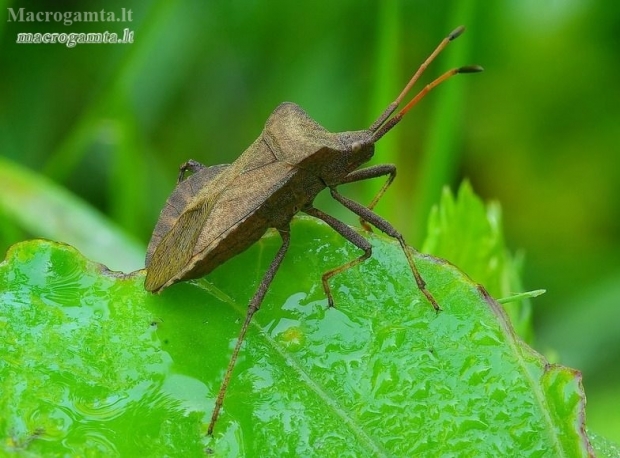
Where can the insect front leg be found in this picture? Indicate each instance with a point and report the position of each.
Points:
(253, 307)
(348, 234)
(372, 172)
(387, 228)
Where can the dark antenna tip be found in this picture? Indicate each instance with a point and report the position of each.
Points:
(456, 32)
(470, 69)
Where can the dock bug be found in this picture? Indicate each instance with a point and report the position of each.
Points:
(219, 211)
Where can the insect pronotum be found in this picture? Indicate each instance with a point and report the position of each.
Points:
(219, 211)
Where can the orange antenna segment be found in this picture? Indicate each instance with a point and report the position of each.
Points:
(380, 127)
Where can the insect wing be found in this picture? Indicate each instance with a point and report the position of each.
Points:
(175, 249)
(178, 227)
(246, 196)
(180, 198)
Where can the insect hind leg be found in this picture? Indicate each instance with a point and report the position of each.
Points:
(348, 234)
(387, 228)
(253, 307)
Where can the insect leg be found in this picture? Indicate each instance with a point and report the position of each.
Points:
(387, 228)
(253, 307)
(372, 172)
(348, 234)
(191, 165)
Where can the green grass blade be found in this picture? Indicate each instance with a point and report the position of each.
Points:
(442, 148)
(46, 210)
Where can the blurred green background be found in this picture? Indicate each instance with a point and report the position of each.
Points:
(538, 130)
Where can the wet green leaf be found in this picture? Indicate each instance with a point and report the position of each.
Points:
(469, 233)
(91, 364)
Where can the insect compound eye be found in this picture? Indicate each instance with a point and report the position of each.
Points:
(356, 146)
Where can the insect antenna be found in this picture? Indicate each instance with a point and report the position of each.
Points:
(383, 125)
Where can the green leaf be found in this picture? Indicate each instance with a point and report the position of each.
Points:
(470, 234)
(90, 363)
(604, 447)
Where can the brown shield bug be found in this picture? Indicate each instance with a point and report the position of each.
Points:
(221, 210)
